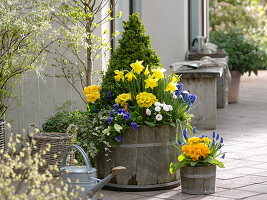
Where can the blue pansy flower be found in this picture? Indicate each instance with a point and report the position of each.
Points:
(118, 138)
(121, 111)
(126, 116)
(110, 119)
(134, 125)
(116, 106)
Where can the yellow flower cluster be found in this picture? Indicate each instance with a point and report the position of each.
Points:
(119, 75)
(196, 140)
(123, 98)
(137, 67)
(92, 93)
(151, 82)
(146, 99)
(195, 151)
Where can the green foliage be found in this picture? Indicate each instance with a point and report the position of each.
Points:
(243, 56)
(22, 42)
(90, 128)
(247, 16)
(134, 45)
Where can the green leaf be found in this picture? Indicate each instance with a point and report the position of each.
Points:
(150, 123)
(193, 163)
(119, 14)
(181, 157)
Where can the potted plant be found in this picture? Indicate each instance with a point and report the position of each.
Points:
(198, 161)
(244, 57)
(141, 126)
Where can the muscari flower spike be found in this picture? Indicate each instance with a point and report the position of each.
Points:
(218, 136)
(185, 133)
(213, 134)
(194, 129)
(221, 141)
(180, 143)
(213, 142)
(223, 156)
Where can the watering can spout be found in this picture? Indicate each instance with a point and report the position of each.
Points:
(115, 171)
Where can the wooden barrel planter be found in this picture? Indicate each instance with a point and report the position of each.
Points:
(146, 152)
(198, 180)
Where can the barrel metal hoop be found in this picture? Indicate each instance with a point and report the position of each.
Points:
(198, 175)
(143, 145)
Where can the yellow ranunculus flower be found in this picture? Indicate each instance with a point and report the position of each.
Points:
(119, 76)
(151, 82)
(137, 67)
(158, 73)
(130, 76)
(194, 140)
(146, 99)
(205, 139)
(92, 88)
(176, 78)
(171, 87)
(196, 150)
(123, 98)
(147, 72)
(92, 96)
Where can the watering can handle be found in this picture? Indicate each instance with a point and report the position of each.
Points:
(85, 157)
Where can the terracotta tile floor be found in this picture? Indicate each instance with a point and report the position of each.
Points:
(244, 128)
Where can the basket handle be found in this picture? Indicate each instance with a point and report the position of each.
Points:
(85, 157)
(70, 128)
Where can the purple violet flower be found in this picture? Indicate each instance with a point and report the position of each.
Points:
(126, 116)
(95, 110)
(134, 125)
(121, 111)
(116, 106)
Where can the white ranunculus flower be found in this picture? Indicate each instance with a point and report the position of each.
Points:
(157, 108)
(148, 112)
(159, 117)
(166, 108)
(157, 104)
(170, 107)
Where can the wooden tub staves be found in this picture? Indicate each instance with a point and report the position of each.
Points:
(198, 180)
(146, 152)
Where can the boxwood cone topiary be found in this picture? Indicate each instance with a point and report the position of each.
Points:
(134, 45)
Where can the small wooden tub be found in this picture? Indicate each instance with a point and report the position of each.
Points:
(198, 180)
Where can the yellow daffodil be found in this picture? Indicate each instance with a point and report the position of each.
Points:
(119, 76)
(137, 67)
(158, 73)
(147, 72)
(130, 76)
(151, 82)
(145, 99)
(171, 87)
(176, 78)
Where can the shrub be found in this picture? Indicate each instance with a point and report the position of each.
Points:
(134, 45)
(243, 56)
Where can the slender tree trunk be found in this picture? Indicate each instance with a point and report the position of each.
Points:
(89, 68)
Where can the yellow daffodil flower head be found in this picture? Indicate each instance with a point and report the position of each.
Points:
(151, 82)
(123, 98)
(130, 75)
(147, 72)
(145, 99)
(137, 67)
(92, 88)
(171, 87)
(176, 78)
(119, 75)
(158, 73)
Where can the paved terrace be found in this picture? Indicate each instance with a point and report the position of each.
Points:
(244, 128)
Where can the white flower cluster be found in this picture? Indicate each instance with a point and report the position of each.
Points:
(159, 107)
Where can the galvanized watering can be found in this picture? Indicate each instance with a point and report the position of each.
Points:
(84, 176)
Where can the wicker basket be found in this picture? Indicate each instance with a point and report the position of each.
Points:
(58, 141)
(2, 135)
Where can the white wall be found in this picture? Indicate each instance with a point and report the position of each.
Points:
(166, 23)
